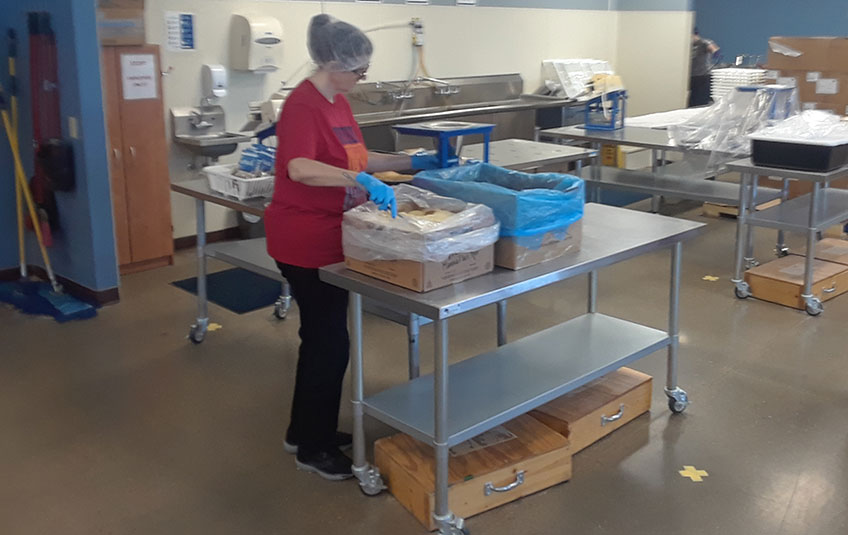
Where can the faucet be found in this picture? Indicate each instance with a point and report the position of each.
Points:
(402, 93)
(198, 118)
(443, 87)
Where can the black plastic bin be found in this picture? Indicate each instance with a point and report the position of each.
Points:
(799, 155)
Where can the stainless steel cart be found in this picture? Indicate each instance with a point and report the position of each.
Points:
(808, 214)
(684, 180)
(460, 401)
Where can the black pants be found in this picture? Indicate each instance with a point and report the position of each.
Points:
(323, 357)
(699, 91)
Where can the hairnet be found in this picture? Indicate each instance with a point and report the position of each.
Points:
(336, 45)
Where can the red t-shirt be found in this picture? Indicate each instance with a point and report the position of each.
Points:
(303, 223)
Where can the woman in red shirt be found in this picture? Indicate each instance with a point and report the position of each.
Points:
(323, 169)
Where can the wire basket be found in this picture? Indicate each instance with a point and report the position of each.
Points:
(222, 180)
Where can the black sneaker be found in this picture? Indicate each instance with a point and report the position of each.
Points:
(343, 441)
(330, 464)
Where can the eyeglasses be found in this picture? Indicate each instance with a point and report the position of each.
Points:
(361, 72)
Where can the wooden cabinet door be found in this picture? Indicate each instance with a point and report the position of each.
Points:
(145, 153)
(114, 146)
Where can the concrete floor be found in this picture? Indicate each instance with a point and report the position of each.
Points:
(120, 425)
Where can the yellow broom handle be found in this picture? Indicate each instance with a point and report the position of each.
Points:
(21, 178)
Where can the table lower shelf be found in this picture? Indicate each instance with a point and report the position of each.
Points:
(794, 214)
(492, 388)
(684, 187)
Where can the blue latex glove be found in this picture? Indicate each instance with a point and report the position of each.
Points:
(382, 195)
(425, 161)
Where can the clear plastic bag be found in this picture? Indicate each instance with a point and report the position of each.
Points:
(811, 126)
(371, 234)
(723, 128)
(526, 205)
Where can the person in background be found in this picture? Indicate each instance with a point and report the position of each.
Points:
(699, 77)
(322, 170)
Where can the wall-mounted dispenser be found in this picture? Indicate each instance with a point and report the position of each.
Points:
(256, 43)
(214, 81)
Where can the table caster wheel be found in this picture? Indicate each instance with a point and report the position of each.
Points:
(197, 334)
(782, 251)
(281, 308)
(454, 526)
(814, 306)
(678, 400)
(742, 290)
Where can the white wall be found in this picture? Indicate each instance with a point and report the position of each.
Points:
(459, 41)
(653, 58)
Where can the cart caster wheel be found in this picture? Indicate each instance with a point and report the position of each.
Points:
(814, 306)
(676, 406)
(783, 251)
(196, 334)
(751, 263)
(742, 291)
(371, 490)
(456, 526)
(370, 481)
(678, 400)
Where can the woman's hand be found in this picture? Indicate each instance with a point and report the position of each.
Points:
(382, 195)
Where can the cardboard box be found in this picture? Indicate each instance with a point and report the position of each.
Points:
(509, 254)
(831, 250)
(426, 276)
(495, 458)
(120, 22)
(820, 90)
(781, 281)
(584, 415)
(816, 54)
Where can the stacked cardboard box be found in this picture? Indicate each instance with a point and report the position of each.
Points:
(818, 66)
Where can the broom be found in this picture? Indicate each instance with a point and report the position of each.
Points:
(33, 297)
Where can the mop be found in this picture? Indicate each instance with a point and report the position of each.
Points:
(32, 297)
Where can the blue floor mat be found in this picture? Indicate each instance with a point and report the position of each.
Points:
(237, 290)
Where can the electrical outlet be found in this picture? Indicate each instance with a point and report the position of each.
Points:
(417, 32)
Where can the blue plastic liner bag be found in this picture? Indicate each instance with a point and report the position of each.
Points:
(528, 206)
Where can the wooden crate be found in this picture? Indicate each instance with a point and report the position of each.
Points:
(781, 281)
(725, 210)
(582, 416)
(496, 457)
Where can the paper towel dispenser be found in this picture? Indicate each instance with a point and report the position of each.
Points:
(256, 43)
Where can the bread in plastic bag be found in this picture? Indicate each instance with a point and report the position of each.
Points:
(437, 228)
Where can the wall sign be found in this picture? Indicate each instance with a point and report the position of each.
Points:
(138, 76)
(179, 30)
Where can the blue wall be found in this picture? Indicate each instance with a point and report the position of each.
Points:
(744, 26)
(84, 248)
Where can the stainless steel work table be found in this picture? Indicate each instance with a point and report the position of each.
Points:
(526, 155)
(460, 401)
(683, 180)
(809, 214)
(252, 255)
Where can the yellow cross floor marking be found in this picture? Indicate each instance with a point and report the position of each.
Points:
(214, 327)
(709, 278)
(694, 474)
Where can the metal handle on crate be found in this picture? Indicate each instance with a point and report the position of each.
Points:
(615, 417)
(117, 153)
(132, 152)
(489, 488)
(830, 290)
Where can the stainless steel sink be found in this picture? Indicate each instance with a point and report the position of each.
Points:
(203, 131)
